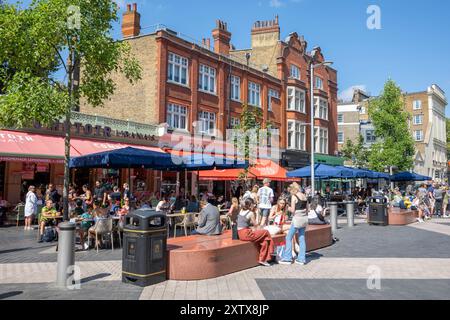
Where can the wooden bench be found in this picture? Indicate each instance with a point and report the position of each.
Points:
(200, 257)
(401, 217)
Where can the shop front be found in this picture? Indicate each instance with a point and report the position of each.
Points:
(35, 156)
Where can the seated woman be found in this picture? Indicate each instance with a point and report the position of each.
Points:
(48, 212)
(97, 213)
(83, 218)
(315, 216)
(278, 218)
(246, 219)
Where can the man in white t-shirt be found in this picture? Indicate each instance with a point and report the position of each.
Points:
(265, 199)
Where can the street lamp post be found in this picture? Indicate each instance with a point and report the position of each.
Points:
(313, 66)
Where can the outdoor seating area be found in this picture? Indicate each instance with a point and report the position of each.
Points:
(214, 256)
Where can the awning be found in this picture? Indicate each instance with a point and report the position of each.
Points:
(30, 147)
(263, 168)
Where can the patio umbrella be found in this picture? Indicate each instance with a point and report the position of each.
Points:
(321, 171)
(409, 176)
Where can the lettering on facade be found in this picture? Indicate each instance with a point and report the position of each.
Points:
(89, 130)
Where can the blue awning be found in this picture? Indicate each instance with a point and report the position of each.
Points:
(321, 171)
(409, 176)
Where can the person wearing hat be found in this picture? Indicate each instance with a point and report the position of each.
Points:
(265, 199)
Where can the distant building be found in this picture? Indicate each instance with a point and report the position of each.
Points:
(427, 126)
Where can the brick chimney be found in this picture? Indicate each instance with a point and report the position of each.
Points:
(265, 33)
(221, 38)
(131, 22)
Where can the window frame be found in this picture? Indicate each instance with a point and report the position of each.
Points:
(296, 74)
(271, 95)
(296, 135)
(172, 64)
(292, 99)
(235, 86)
(340, 141)
(341, 117)
(171, 113)
(207, 120)
(323, 109)
(420, 116)
(252, 91)
(421, 135)
(318, 80)
(210, 74)
(420, 104)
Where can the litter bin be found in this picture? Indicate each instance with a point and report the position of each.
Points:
(144, 258)
(378, 213)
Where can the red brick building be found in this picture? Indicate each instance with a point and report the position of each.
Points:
(201, 86)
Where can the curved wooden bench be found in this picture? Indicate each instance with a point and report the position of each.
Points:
(401, 217)
(200, 257)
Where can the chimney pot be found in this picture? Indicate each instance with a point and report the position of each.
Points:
(128, 7)
(131, 22)
(135, 7)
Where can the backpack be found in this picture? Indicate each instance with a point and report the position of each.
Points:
(49, 235)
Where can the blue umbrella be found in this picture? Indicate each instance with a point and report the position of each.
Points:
(356, 173)
(138, 158)
(409, 176)
(321, 171)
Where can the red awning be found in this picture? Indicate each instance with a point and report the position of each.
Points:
(262, 169)
(30, 147)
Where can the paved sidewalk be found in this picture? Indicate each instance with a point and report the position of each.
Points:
(413, 263)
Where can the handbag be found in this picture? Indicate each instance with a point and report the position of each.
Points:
(300, 219)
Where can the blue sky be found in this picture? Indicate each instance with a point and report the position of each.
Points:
(412, 47)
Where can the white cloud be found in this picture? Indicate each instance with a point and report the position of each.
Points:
(347, 94)
(276, 3)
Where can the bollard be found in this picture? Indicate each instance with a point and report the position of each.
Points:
(350, 208)
(66, 253)
(333, 216)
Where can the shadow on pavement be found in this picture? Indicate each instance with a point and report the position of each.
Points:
(96, 277)
(10, 294)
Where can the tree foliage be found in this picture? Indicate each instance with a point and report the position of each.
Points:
(448, 137)
(396, 145)
(35, 42)
(356, 152)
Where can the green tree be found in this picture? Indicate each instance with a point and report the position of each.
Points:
(396, 145)
(356, 152)
(250, 126)
(448, 137)
(61, 51)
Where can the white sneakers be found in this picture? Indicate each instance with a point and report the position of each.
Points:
(300, 263)
(446, 216)
(420, 220)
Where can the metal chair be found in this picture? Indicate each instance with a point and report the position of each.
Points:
(20, 208)
(103, 226)
(187, 222)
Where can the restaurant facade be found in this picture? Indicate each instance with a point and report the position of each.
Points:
(35, 156)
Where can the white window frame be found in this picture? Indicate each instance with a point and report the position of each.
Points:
(235, 88)
(175, 115)
(294, 72)
(341, 135)
(272, 93)
(175, 67)
(320, 108)
(207, 77)
(340, 118)
(296, 135)
(254, 94)
(296, 99)
(234, 122)
(207, 123)
(416, 137)
(321, 140)
(417, 104)
(416, 117)
(318, 83)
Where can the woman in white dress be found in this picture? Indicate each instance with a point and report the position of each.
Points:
(31, 202)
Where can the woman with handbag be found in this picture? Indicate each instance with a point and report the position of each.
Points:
(298, 226)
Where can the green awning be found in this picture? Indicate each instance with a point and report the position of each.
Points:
(329, 160)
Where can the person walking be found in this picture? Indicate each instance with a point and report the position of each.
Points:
(298, 226)
(265, 198)
(246, 219)
(31, 205)
(438, 195)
